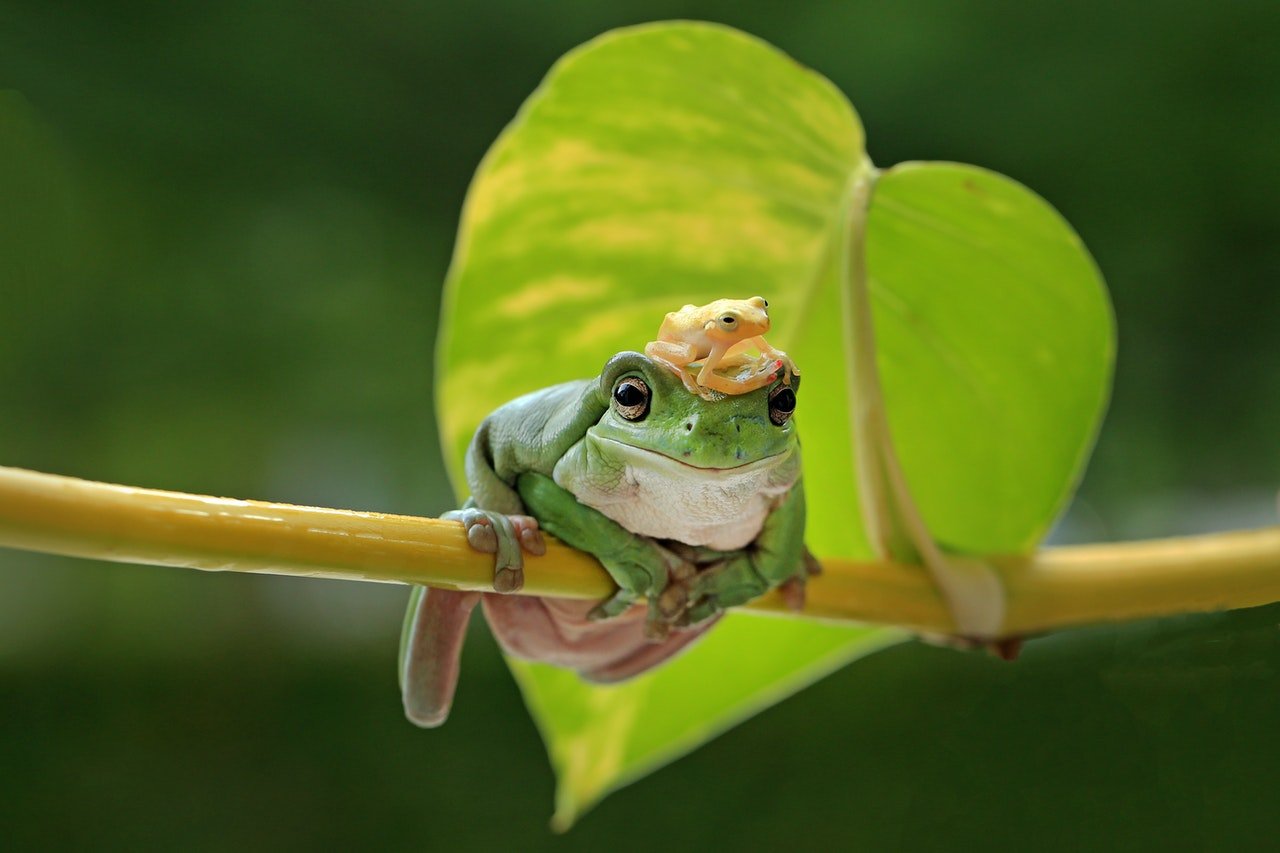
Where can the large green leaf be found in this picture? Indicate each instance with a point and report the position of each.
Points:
(678, 163)
(658, 166)
(601, 738)
(994, 342)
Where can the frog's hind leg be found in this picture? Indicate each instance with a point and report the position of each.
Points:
(725, 385)
(645, 656)
(676, 357)
(435, 627)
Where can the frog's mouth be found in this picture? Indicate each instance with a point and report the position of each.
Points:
(656, 458)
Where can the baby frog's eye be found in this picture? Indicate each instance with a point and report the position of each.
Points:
(631, 398)
(728, 321)
(782, 402)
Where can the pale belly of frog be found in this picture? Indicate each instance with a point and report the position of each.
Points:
(653, 495)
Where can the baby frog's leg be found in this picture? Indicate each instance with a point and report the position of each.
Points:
(677, 357)
(725, 385)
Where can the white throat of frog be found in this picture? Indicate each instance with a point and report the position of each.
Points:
(654, 495)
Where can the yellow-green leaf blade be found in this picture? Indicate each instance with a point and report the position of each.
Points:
(995, 342)
(601, 738)
(657, 166)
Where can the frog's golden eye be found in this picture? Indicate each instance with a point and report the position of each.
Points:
(631, 398)
(729, 319)
(782, 402)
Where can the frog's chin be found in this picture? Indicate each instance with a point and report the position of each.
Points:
(652, 494)
(658, 459)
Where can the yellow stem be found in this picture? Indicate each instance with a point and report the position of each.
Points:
(1056, 588)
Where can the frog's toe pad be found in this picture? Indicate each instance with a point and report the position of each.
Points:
(481, 535)
(508, 579)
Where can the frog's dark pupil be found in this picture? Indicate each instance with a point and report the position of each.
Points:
(628, 395)
(785, 400)
(729, 320)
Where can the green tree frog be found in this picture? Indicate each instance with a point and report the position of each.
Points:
(691, 505)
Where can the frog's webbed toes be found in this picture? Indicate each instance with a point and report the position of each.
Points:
(704, 609)
(479, 528)
(482, 537)
(495, 533)
(526, 529)
(614, 605)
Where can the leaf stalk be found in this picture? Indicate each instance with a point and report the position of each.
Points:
(1056, 588)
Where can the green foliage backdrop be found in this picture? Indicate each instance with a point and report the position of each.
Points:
(678, 162)
(222, 231)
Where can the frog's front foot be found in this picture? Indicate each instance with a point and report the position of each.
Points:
(782, 363)
(661, 586)
(504, 536)
(615, 605)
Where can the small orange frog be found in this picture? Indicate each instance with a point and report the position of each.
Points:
(716, 335)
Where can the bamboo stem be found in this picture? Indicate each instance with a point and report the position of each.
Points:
(1056, 588)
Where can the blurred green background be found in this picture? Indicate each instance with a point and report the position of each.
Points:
(223, 228)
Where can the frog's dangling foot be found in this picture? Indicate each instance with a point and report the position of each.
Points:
(430, 649)
(788, 366)
(503, 536)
